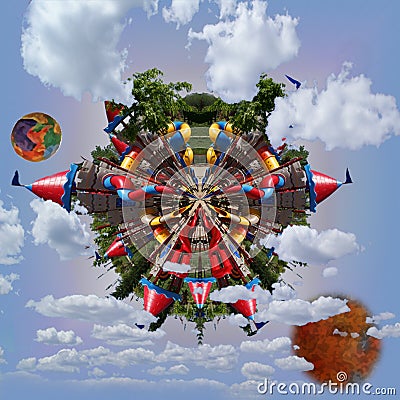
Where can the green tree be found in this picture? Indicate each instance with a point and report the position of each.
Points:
(292, 152)
(105, 152)
(252, 115)
(200, 101)
(156, 103)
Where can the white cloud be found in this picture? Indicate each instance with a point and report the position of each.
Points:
(181, 12)
(226, 7)
(337, 332)
(232, 294)
(176, 267)
(79, 208)
(375, 319)
(294, 363)
(124, 335)
(386, 331)
(97, 372)
(11, 236)
(62, 231)
(346, 114)
(27, 364)
(90, 308)
(305, 244)
(71, 360)
(329, 272)
(52, 336)
(65, 48)
(301, 312)
(179, 369)
(237, 320)
(244, 46)
(278, 345)
(6, 283)
(246, 390)
(256, 371)
(282, 291)
(2, 360)
(65, 360)
(222, 358)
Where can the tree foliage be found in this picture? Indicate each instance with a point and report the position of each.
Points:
(252, 115)
(200, 101)
(156, 103)
(292, 152)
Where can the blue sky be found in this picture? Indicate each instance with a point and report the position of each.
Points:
(321, 37)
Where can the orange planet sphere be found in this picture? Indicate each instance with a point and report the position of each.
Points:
(36, 137)
(339, 346)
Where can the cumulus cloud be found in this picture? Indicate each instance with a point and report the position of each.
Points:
(386, 331)
(106, 311)
(301, 312)
(278, 345)
(226, 7)
(72, 360)
(345, 114)
(179, 369)
(282, 291)
(245, 390)
(2, 360)
(237, 320)
(60, 230)
(340, 333)
(11, 236)
(124, 335)
(256, 371)
(294, 363)
(375, 319)
(305, 244)
(244, 46)
(52, 336)
(222, 358)
(232, 294)
(181, 12)
(176, 267)
(97, 372)
(6, 283)
(329, 272)
(73, 45)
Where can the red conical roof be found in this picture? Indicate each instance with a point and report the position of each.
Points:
(111, 111)
(324, 185)
(156, 299)
(57, 187)
(200, 289)
(117, 249)
(155, 302)
(50, 187)
(246, 307)
(119, 145)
